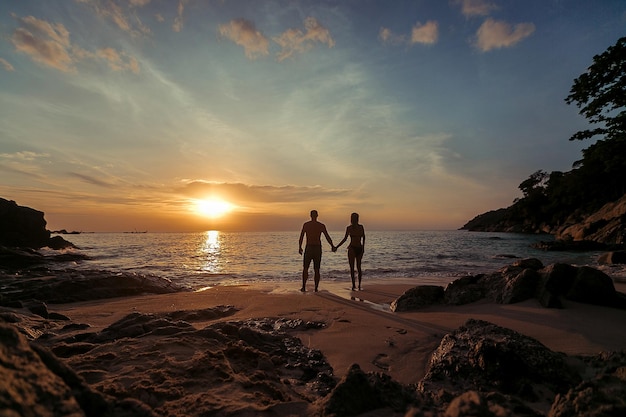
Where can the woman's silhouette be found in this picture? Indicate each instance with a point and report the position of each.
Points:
(356, 248)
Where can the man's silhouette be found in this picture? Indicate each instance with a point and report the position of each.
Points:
(313, 250)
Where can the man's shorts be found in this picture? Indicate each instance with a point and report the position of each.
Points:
(313, 253)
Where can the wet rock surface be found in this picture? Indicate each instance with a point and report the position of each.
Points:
(67, 286)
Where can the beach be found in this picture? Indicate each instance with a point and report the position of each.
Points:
(269, 349)
(363, 330)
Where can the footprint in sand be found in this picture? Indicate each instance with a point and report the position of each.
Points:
(382, 361)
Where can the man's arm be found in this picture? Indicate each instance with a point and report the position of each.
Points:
(300, 242)
(328, 237)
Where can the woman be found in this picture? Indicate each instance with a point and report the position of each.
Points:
(356, 248)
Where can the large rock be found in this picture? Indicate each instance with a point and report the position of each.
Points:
(611, 258)
(521, 281)
(482, 356)
(25, 227)
(359, 392)
(420, 296)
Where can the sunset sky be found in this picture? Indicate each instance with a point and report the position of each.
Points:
(121, 115)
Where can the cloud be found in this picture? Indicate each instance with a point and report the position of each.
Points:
(244, 33)
(178, 20)
(294, 40)
(471, 8)
(6, 65)
(387, 36)
(118, 61)
(426, 33)
(125, 20)
(46, 43)
(91, 180)
(494, 34)
(259, 193)
(49, 44)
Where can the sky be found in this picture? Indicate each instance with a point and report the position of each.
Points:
(191, 115)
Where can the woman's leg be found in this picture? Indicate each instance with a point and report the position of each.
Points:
(351, 259)
(358, 267)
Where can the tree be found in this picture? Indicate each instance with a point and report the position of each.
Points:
(600, 94)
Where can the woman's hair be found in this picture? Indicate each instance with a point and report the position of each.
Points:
(354, 218)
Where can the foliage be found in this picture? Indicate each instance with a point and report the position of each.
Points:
(600, 93)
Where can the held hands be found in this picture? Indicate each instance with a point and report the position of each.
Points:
(300, 251)
(334, 248)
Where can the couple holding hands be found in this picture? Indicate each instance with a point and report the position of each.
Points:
(313, 250)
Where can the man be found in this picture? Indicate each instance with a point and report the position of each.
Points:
(313, 250)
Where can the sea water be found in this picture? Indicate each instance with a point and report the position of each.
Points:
(202, 259)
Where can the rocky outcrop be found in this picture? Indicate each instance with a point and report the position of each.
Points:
(602, 229)
(607, 225)
(73, 286)
(523, 280)
(25, 227)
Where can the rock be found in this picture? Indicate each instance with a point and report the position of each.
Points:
(358, 393)
(39, 308)
(493, 404)
(25, 227)
(604, 394)
(484, 357)
(607, 225)
(523, 280)
(556, 280)
(592, 286)
(37, 384)
(616, 257)
(531, 263)
(72, 286)
(465, 290)
(520, 287)
(418, 297)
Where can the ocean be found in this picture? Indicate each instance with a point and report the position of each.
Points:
(205, 259)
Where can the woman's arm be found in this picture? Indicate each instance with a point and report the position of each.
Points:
(345, 237)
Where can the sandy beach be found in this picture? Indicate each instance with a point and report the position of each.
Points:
(269, 349)
(359, 328)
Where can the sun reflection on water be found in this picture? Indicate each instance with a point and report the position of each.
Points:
(211, 251)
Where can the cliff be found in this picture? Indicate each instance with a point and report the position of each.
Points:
(606, 225)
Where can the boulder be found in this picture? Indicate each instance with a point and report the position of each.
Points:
(418, 297)
(359, 392)
(610, 258)
(520, 287)
(25, 227)
(484, 357)
(591, 286)
(465, 290)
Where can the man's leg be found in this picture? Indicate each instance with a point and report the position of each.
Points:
(305, 277)
(317, 278)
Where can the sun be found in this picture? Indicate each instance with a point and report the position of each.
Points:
(212, 207)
